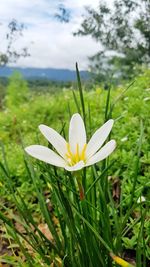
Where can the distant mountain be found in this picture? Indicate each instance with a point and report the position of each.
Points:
(48, 73)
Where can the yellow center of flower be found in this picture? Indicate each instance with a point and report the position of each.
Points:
(74, 158)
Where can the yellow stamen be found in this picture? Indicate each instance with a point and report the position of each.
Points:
(74, 158)
(82, 157)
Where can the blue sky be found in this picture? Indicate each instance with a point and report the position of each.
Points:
(50, 43)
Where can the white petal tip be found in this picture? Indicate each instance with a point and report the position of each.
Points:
(75, 115)
(42, 126)
(114, 143)
(111, 122)
(29, 149)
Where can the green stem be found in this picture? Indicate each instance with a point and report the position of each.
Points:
(81, 190)
(80, 186)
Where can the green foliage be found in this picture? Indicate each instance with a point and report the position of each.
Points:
(2, 94)
(124, 37)
(48, 86)
(17, 91)
(110, 219)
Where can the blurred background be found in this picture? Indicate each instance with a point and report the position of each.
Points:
(40, 43)
(107, 38)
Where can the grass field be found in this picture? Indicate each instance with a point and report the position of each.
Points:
(43, 221)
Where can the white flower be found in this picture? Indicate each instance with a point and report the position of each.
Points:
(75, 154)
(141, 199)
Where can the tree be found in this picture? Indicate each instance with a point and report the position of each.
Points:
(63, 14)
(17, 91)
(123, 31)
(15, 30)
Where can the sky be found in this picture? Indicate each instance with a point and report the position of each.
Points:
(50, 43)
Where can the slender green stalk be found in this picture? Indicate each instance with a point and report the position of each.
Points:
(81, 93)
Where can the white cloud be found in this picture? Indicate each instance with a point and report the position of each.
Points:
(50, 43)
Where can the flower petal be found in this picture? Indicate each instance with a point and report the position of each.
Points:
(57, 141)
(77, 134)
(104, 152)
(45, 154)
(76, 167)
(98, 138)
